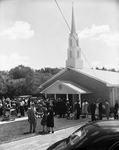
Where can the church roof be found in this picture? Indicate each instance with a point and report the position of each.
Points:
(109, 77)
(67, 84)
(75, 87)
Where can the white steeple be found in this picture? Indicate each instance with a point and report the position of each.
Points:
(74, 51)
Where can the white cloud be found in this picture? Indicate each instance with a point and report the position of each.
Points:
(102, 33)
(110, 66)
(8, 62)
(96, 64)
(19, 29)
(93, 31)
(111, 39)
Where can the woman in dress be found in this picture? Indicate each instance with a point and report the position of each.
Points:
(50, 119)
(44, 118)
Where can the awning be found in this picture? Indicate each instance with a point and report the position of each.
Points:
(65, 87)
(77, 88)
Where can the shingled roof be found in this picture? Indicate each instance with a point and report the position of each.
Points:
(108, 77)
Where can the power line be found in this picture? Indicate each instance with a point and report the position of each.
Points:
(73, 35)
(62, 15)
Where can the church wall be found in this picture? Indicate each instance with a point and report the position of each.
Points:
(99, 89)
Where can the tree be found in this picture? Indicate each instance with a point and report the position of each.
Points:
(25, 76)
(3, 82)
(20, 72)
(103, 68)
(113, 70)
(23, 80)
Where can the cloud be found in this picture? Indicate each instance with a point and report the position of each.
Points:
(111, 66)
(19, 30)
(93, 31)
(96, 64)
(102, 33)
(111, 39)
(8, 62)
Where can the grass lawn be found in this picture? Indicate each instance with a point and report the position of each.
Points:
(20, 129)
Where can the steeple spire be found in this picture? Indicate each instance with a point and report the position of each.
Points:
(73, 29)
(74, 51)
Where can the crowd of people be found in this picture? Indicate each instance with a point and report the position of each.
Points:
(47, 120)
(98, 109)
(13, 107)
(47, 108)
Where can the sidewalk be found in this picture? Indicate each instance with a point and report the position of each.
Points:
(25, 118)
(13, 120)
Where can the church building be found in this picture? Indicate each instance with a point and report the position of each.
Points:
(75, 82)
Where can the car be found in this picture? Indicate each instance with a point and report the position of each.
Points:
(95, 135)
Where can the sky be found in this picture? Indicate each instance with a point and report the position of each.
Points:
(34, 33)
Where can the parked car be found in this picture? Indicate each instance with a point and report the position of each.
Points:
(97, 135)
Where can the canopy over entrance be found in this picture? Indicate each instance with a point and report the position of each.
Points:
(65, 87)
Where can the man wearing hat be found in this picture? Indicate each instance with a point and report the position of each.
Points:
(32, 117)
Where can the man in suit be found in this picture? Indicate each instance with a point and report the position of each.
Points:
(92, 109)
(100, 109)
(77, 109)
(32, 117)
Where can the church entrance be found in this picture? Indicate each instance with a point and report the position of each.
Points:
(62, 96)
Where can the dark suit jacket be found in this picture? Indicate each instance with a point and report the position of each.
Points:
(31, 114)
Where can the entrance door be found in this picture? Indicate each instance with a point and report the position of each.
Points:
(62, 96)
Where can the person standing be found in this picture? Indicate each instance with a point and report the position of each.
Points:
(60, 105)
(100, 109)
(92, 109)
(116, 110)
(107, 109)
(50, 119)
(67, 108)
(85, 108)
(4, 108)
(44, 118)
(22, 107)
(1, 109)
(77, 109)
(32, 117)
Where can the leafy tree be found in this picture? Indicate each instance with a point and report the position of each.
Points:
(103, 68)
(113, 70)
(3, 82)
(23, 80)
(20, 72)
(23, 77)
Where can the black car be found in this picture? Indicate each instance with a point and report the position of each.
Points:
(97, 135)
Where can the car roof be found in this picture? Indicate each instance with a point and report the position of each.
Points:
(107, 123)
(107, 126)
